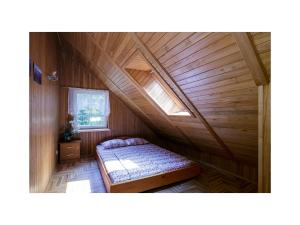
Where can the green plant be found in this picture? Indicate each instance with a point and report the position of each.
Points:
(69, 131)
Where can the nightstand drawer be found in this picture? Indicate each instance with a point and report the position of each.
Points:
(70, 155)
(69, 147)
(69, 150)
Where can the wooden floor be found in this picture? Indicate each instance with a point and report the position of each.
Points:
(84, 176)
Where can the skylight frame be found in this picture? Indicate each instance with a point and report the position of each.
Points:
(165, 86)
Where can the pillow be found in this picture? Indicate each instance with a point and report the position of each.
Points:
(136, 141)
(114, 143)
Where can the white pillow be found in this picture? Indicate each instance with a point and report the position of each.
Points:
(114, 143)
(136, 141)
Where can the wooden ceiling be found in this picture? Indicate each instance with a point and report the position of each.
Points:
(215, 75)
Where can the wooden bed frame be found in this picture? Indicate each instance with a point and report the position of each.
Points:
(149, 182)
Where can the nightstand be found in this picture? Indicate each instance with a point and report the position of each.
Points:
(69, 150)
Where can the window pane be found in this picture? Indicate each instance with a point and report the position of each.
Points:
(90, 109)
(159, 94)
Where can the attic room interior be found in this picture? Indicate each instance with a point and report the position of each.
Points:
(151, 112)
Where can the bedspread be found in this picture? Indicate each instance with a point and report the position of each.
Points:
(134, 162)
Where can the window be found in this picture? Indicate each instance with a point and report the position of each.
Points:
(156, 91)
(141, 71)
(90, 108)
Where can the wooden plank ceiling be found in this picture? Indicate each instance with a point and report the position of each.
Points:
(209, 72)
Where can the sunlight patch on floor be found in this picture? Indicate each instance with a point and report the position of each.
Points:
(79, 186)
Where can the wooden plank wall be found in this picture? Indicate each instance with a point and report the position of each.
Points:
(43, 112)
(262, 44)
(122, 121)
(211, 72)
(245, 171)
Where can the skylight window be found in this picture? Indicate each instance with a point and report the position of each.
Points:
(140, 70)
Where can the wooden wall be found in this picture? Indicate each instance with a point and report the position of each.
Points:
(262, 44)
(122, 120)
(211, 72)
(43, 112)
(242, 170)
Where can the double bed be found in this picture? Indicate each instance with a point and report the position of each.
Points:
(141, 166)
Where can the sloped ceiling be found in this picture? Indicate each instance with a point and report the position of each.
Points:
(215, 75)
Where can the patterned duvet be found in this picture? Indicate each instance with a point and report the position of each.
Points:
(134, 162)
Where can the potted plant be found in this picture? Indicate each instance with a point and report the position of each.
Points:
(69, 132)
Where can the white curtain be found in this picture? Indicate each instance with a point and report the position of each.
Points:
(81, 98)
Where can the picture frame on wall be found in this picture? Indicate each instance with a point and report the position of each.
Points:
(30, 66)
(37, 73)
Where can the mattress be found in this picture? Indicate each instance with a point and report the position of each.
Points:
(135, 162)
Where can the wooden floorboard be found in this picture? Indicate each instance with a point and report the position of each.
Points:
(86, 171)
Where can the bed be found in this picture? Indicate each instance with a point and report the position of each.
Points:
(143, 166)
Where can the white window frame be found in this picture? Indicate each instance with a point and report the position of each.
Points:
(72, 102)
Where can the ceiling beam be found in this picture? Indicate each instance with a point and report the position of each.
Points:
(167, 78)
(264, 138)
(253, 61)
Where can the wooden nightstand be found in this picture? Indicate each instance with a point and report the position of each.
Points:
(69, 150)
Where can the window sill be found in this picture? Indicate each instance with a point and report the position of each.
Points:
(94, 130)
